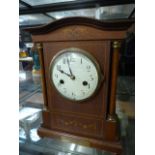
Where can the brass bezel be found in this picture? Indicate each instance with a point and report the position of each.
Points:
(92, 59)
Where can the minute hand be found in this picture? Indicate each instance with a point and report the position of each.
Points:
(72, 76)
(69, 67)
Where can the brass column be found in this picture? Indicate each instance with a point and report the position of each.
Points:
(114, 71)
(40, 51)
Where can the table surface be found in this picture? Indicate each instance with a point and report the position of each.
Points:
(27, 112)
(28, 89)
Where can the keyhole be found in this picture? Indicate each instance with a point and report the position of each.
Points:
(85, 83)
(62, 81)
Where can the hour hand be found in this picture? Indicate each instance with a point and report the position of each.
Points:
(61, 71)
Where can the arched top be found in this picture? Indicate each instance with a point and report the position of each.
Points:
(103, 25)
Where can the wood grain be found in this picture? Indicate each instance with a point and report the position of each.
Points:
(96, 106)
(100, 144)
(116, 25)
(78, 33)
(86, 122)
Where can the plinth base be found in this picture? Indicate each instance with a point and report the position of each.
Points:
(114, 147)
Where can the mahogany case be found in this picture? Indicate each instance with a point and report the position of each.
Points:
(92, 122)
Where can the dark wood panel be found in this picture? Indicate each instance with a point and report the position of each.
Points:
(100, 144)
(46, 119)
(97, 104)
(111, 130)
(76, 124)
(113, 25)
(103, 129)
(75, 33)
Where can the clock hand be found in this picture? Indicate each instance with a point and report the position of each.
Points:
(69, 67)
(72, 76)
(61, 71)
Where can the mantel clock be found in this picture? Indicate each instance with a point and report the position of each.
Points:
(79, 60)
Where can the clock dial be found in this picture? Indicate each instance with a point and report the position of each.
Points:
(75, 74)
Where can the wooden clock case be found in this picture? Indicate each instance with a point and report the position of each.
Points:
(92, 122)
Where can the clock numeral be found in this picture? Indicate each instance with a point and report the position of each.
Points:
(56, 75)
(64, 90)
(89, 86)
(73, 94)
(88, 68)
(83, 93)
(91, 77)
(64, 61)
(58, 67)
(58, 84)
(71, 59)
(81, 61)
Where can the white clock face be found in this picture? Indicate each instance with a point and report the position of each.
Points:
(75, 74)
